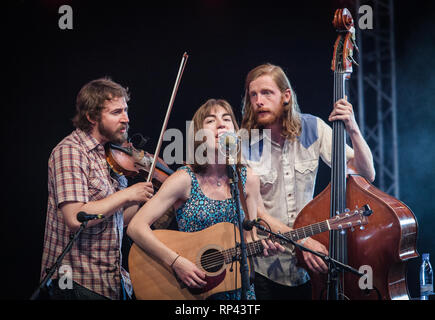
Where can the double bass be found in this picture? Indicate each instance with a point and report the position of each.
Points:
(388, 241)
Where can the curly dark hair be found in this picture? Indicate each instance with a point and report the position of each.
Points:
(90, 101)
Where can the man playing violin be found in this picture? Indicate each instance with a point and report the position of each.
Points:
(287, 175)
(79, 179)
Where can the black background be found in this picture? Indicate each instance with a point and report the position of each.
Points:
(140, 45)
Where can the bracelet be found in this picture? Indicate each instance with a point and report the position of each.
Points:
(174, 260)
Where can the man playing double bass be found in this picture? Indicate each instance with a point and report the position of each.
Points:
(287, 175)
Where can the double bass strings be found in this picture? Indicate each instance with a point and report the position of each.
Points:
(338, 173)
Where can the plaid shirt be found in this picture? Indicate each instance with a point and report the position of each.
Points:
(78, 172)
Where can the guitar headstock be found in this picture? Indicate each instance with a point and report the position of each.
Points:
(350, 219)
(344, 45)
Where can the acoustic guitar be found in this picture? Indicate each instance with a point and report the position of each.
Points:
(214, 251)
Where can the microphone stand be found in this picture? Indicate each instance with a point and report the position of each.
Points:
(46, 282)
(335, 265)
(244, 268)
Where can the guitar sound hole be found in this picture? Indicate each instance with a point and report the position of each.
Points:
(212, 260)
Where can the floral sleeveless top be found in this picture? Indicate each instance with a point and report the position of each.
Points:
(200, 212)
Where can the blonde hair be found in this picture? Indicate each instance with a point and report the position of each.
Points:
(291, 121)
(198, 124)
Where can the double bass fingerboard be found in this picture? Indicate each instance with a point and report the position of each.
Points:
(338, 239)
(337, 242)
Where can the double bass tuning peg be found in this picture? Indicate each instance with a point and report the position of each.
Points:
(351, 59)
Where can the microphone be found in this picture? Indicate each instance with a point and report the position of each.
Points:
(249, 224)
(83, 216)
(228, 144)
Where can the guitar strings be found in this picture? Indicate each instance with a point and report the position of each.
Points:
(218, 258)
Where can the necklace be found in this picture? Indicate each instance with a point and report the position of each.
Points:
(220, 182)
(215, 180)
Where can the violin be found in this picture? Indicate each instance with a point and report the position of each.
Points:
(131, 162)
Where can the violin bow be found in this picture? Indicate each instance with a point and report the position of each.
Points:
(168, 112)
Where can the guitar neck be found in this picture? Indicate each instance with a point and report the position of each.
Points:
(256, 247)
(308, 231)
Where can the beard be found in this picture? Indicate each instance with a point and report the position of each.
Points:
(269, 118)
(115, 136)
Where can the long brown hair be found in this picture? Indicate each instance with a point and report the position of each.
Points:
(291, 122)
(197, 124)
(90, 101)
